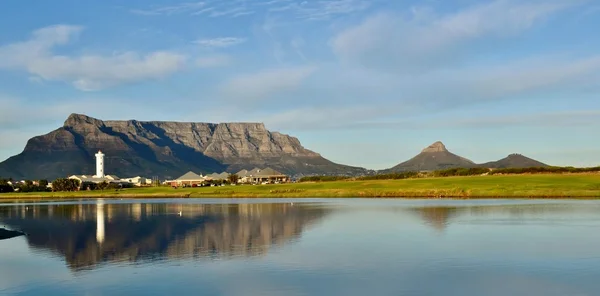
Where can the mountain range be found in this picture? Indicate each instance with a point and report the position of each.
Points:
(437, 157)
(164, 149)
(170, 149)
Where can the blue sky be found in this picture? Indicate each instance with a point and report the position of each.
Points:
(366, 83)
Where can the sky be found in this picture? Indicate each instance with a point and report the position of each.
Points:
(364, 83)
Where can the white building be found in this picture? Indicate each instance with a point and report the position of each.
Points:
(99, 164)
(100, 175)
(138, 181)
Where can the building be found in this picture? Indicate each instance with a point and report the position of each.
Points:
(218, 177)
(100, 176)
(93, 179)
(99, 164)
(260, 176)
(138, 181)
(188, 179)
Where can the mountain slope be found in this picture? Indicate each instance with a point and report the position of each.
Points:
(434, 157)
(513, 161)
(163, 149)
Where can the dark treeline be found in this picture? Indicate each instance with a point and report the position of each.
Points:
(323, 178)
(102, 186)
(456, 172)
(542, 170)
(8, 185)
(460, 172)
(392, 176)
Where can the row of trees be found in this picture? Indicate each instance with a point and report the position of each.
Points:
(322, 178)
(104, 186)
(545, 170)
(8, 185)
(456, 172)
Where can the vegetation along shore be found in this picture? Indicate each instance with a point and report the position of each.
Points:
(570, 185)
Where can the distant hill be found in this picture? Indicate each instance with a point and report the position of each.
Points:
(513, 161)
(437, 157)
(434, 157)
(164, 149)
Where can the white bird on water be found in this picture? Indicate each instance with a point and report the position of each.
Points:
(179, 213)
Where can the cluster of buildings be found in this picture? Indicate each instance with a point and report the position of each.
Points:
(100, 177)
(254, 176)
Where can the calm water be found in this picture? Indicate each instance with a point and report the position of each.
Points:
(308, 247)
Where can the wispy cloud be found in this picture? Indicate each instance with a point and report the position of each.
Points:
(390, 40)
(220, 42)
(300, 9)
(182, 8)
(231, 12)
(318, 10)
(209, 8)
(85, 72)
(264, 84)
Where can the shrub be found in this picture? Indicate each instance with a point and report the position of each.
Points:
(63, 184)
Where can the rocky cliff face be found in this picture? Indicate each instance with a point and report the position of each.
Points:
(164, 149)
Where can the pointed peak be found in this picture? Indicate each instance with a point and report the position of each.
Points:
(435, 147)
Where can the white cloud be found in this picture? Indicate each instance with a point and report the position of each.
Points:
(388, 40)
(85, 72)
(220, 42)
(262, 85)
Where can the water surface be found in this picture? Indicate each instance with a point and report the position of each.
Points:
(302, 247)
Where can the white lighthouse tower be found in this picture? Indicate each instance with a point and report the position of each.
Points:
(99, 165)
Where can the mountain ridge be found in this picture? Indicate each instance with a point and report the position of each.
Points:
(165, 149)
(168, 149)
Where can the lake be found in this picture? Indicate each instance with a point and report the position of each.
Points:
(301, 247)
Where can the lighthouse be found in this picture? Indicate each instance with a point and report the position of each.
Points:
(99, 165)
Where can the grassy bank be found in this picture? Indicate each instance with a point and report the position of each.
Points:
(522, 186)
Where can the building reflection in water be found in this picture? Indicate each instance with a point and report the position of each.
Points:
(100, 222)
(89, 234)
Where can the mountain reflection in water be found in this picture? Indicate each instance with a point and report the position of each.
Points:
(89, 234)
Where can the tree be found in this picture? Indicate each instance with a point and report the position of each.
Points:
(102, 186)
(5, 187)
(43, 183)
(65, 185)
(233, 178)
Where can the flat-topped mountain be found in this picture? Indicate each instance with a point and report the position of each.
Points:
(513, 161)
(163, 149)
(433, 157)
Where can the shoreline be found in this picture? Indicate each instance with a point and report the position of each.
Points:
(576, 186)
(7, 234)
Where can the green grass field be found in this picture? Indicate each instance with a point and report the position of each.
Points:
(509, 186)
